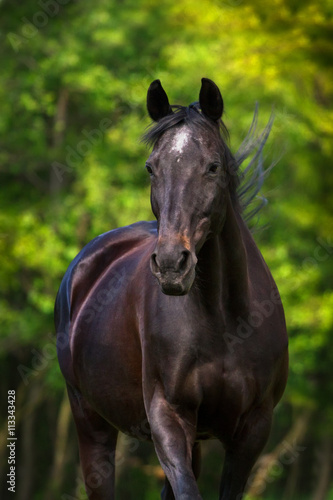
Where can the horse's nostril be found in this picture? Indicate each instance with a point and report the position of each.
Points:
(162, 261)
(183, 260)
(153, 262)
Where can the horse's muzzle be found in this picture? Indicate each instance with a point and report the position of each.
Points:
(174, 268)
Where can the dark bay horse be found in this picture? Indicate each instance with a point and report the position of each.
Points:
(174, 330)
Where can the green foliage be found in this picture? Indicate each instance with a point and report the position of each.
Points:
(72, 88)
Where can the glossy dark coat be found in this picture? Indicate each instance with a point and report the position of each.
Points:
(174, 330)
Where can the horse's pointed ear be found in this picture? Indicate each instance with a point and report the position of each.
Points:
(211, 102)
(157, 101)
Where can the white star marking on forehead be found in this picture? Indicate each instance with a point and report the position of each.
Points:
(180, 140)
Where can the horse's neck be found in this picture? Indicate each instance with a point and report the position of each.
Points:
(235, 262)
(223, 266)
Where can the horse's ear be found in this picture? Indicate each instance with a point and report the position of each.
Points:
(211, 102)
(157, 101)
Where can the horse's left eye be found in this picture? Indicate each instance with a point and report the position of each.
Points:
(149, 169)
(212, 169)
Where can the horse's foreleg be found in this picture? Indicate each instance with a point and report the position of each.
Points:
(97, 446)
(167, 493)
(242, 454)
(173, 437)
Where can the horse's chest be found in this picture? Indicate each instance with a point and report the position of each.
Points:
(199, 374)
(213, 386)
(225, 393)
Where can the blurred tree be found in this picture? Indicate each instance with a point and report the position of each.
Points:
(73, 84)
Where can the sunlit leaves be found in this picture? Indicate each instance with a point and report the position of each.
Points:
(104, 56)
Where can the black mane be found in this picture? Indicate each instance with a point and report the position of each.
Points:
(244, 185)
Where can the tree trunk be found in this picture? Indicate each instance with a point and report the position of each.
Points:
(26, 466)
(289, 492)
(325, 463)
(58, 132)
(59, 458)
(22, 410)
(286, 453)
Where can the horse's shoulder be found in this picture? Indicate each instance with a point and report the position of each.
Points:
(100, 253)
(117, 240)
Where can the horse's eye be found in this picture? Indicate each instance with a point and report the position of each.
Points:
(212, 169)
(149, 169)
